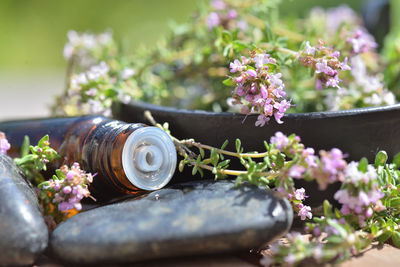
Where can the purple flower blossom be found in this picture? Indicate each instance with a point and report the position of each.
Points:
(359, 191)
(309, 50)
(304, 212)
(262, 120)
(290, 259)
(300, 194)
(262, 59)
(333, 162)
(326, 63)
(361, 41)
(309, 157)
(72, 189)
(279, 140)
(296, 171)
(4, 144)
(262, 90)
(232, 14)
(252, 73)
(218, 4)
(213, 20)
(235, 66)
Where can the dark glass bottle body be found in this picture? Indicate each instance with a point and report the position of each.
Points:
(97, 144)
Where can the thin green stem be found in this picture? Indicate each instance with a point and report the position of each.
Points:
(225, 152)
(268, 175)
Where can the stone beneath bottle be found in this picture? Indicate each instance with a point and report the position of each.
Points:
(23, 232)
(193, 218)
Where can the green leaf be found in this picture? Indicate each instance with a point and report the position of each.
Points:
(214, 157)
(44, 141)
(111, 92)
(394, 202)
(280, 161)
(239, 46)
(225, 53)
(327, 209)
(396, 239)
(385, 236)
(396, 160)
(224, 144)
(363, 165)
(335, 239)
(266, 145)
(201, 152)
(181, 165)
(238, 145)
(381, 158)
(374, 229)
(43, 184)
(25, 146)
(223, 163)
(201, 172)
(194, 170)
(268, 32)
(226, 36)
(229, 82)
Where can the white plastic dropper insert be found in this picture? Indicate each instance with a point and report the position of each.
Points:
(149, 158)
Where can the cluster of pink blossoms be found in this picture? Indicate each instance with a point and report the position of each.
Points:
(71, 188)
(360, 202)
(262, 90)
(4, 144)
(295, 196)
(361, 41)
(328, 168)
(325, 61)
(225, 16)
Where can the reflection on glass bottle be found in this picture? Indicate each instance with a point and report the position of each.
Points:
(128, 158)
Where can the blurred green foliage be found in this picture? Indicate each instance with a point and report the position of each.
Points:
(33, 33)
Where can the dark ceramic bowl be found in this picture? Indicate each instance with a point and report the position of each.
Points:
(358, 132)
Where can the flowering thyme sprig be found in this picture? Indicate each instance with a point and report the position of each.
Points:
(258, 89)
(325, 61)
(284, 160)
(223, 14)
(68, 187)
(34, 159)
(370, 212)
(361, 41)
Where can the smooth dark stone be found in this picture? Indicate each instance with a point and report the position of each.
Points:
(23, 232)
(203, 217)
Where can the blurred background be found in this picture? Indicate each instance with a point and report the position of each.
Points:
(33, 33)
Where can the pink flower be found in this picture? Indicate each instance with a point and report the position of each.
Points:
(235, 66)
(252, 73)
(304, 212)
(262, 120)
(213, 20)
(4, 144)
(300, 194)
(296, 171)
(280, 140)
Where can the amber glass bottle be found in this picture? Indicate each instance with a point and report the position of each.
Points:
(127, 158)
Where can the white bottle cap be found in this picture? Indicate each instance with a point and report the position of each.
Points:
(149, 158)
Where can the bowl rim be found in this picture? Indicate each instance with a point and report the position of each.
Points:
(307, 115)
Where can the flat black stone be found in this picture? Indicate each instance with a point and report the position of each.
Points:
(193, 218)
(23, 232)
